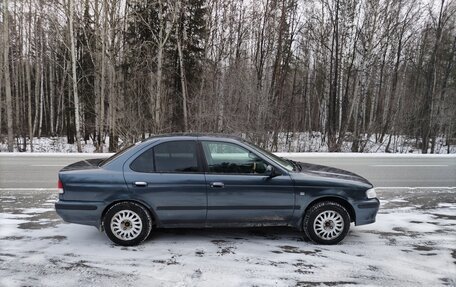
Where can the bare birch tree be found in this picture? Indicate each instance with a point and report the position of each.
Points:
(6, 73)
(74, 76)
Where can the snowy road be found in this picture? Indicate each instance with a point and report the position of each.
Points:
(383, 170)
(413, 243)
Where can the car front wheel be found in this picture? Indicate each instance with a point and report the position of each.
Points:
(127, 223)
(326, 222)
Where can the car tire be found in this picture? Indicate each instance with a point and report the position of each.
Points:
(326, 223)
(127, 223)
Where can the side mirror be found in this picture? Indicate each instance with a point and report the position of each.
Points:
(271, 171)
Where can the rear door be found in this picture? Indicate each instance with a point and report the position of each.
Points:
(170, 178)
(238, 190)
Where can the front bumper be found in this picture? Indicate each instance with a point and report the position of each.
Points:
(366, 211)
(80, 212)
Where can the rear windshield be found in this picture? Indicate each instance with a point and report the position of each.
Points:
(116, 155)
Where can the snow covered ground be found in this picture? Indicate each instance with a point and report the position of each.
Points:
(291, 142)
(413, 243)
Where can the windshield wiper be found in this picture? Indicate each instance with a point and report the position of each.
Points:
(295, 164)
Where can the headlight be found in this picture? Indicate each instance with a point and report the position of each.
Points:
(370, 193)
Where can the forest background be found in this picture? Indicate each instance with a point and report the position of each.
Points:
(351, 71)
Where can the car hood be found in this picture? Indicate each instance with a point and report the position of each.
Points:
(331, 173)
(84, 164)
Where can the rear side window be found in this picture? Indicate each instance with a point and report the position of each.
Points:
(178, 156)
(144, 162)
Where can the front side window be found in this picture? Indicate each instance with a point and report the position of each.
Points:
(178, 156)
(230, 158)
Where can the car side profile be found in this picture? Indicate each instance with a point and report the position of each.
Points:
(199, 181)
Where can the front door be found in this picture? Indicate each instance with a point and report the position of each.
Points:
(170, 178)
(238, 190)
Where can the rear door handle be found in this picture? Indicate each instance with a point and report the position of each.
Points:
(140, 183)
(217, 184)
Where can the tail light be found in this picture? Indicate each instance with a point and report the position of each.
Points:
(60, 186)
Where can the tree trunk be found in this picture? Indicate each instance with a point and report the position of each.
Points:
(427, 107)
(37, 93)
(158, 91)
(6, 71)
(113, 137)
(441, 100)
(51, 95)
(182, 79)
(29, 103)
(156, 94)
(40, 124)
(102, 78)
(69, 121)
(61, 109)
(334, 85)
(1, 96)
(15, 94)
(75, 80)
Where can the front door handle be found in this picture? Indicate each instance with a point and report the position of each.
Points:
(217, 184)
(140, 183)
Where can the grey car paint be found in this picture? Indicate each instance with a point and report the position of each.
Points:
(191, 200)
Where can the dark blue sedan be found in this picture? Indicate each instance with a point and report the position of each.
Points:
(211, 181)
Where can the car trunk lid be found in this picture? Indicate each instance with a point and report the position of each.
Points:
(84, 164)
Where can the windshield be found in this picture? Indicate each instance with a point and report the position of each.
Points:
(282, 162)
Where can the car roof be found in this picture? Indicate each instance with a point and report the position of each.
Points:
(195, 135)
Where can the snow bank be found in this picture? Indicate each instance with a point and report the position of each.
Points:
(55, 154)
(286, 142)
(361, 155)
(293, 155)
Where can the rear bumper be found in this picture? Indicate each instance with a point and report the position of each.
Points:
(81, 212)
(366, 211)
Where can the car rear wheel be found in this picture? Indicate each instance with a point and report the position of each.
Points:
(127, 223)
(326, 222)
